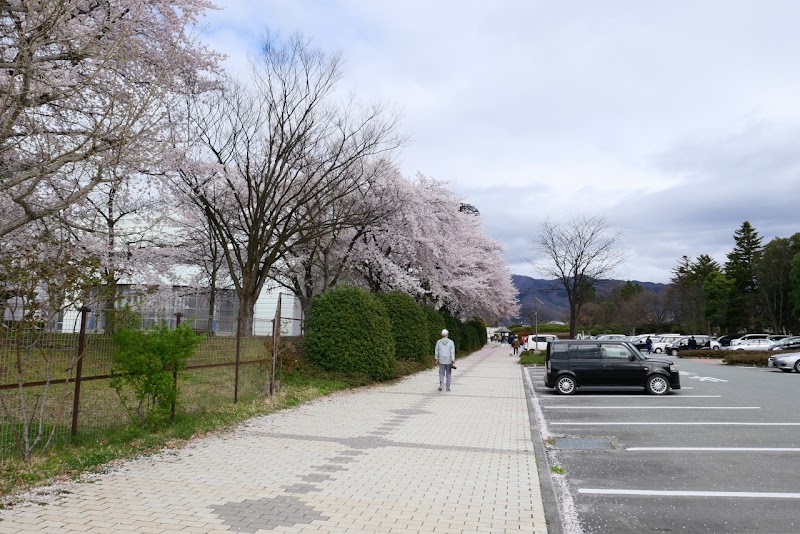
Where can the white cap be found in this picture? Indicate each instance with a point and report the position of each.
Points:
(445, 332)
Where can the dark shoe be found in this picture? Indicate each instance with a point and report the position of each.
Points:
(448, 390)
(440, 388)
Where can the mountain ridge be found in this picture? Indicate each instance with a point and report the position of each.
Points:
(552, 303)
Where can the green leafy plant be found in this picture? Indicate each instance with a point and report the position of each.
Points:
(144, 364)
(406, 316)
(557, 469)
(348, 330)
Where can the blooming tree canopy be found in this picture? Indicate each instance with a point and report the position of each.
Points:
(85, 85)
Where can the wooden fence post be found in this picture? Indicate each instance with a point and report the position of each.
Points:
(76, 400)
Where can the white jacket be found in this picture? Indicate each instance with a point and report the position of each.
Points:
(445, 351)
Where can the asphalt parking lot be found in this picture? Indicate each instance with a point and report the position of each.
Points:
(720, 455)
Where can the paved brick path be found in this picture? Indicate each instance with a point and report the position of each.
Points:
(394, 458)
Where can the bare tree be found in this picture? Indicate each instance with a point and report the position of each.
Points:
(579, 253)
(276, 155)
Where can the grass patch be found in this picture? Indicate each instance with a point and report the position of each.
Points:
(527, 357)
(557, 469)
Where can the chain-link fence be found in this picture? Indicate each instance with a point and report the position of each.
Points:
(48, 394)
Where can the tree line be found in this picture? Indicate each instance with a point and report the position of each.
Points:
(757, 289)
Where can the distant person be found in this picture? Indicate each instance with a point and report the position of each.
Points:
(692, 343)
(649, 344)
(445, 357)
(515, 347)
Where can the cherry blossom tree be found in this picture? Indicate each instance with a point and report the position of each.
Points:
(319, 263)
(438, 252)
(271, 156)
(86, 85)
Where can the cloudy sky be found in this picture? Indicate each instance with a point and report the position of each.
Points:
(675, 119)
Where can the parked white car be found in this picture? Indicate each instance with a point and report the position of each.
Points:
(752, 344)
(539, 342)
(747, 337)
(661, 343)
(785, 362)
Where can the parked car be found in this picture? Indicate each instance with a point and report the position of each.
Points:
(662, 343)
(747, 337)
(724, 341)
(539, 342)
(612, 337)
(571, 364)
(785, 362)
(682, 343)
(787, 343)
(752, 344)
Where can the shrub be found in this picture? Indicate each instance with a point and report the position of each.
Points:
(746, 357)
(144, 362)
(700, 354)
(435, 326)
(453, 326)
(406, 317)
(348, 330)
(527, 357)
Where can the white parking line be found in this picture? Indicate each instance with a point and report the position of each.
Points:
(717, 449)
(653, 407)
(656, 493)
(663, 423)
(637, 397)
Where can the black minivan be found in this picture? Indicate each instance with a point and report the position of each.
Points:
(571, 364)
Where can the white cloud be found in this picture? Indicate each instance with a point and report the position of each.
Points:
(677, 121)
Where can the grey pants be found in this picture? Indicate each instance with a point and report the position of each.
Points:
(444, 370)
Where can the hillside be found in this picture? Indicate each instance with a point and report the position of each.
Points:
(554, 305)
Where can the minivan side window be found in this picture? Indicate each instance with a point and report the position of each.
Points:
(558, 351)
(584, 352)
(615, 352)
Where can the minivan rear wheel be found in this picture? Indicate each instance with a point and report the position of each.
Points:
(657, 385)
(674, 352)
(566, 385)
(797, 366)
(657, 351)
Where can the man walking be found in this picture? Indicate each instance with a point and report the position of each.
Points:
(445, 357)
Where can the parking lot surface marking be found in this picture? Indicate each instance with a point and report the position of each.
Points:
(717, 449)
(662, 423)
(662, 493)
(653, 407)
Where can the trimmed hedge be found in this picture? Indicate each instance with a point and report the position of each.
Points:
(409, 326)
(436, 324)
(712, 354)
(348, 330)
(453, 326)
(747, 357)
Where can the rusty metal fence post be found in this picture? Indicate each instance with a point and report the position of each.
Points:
(76, 400)
(175, 374)
(238, 353)
(276, 334)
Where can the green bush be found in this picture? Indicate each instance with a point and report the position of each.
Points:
(406, 317)
(453, 326)
(700, 354)
(348, 330)
(746, 357)
(435, 326)
(144, 362)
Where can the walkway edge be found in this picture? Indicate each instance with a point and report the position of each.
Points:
(552, 511)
